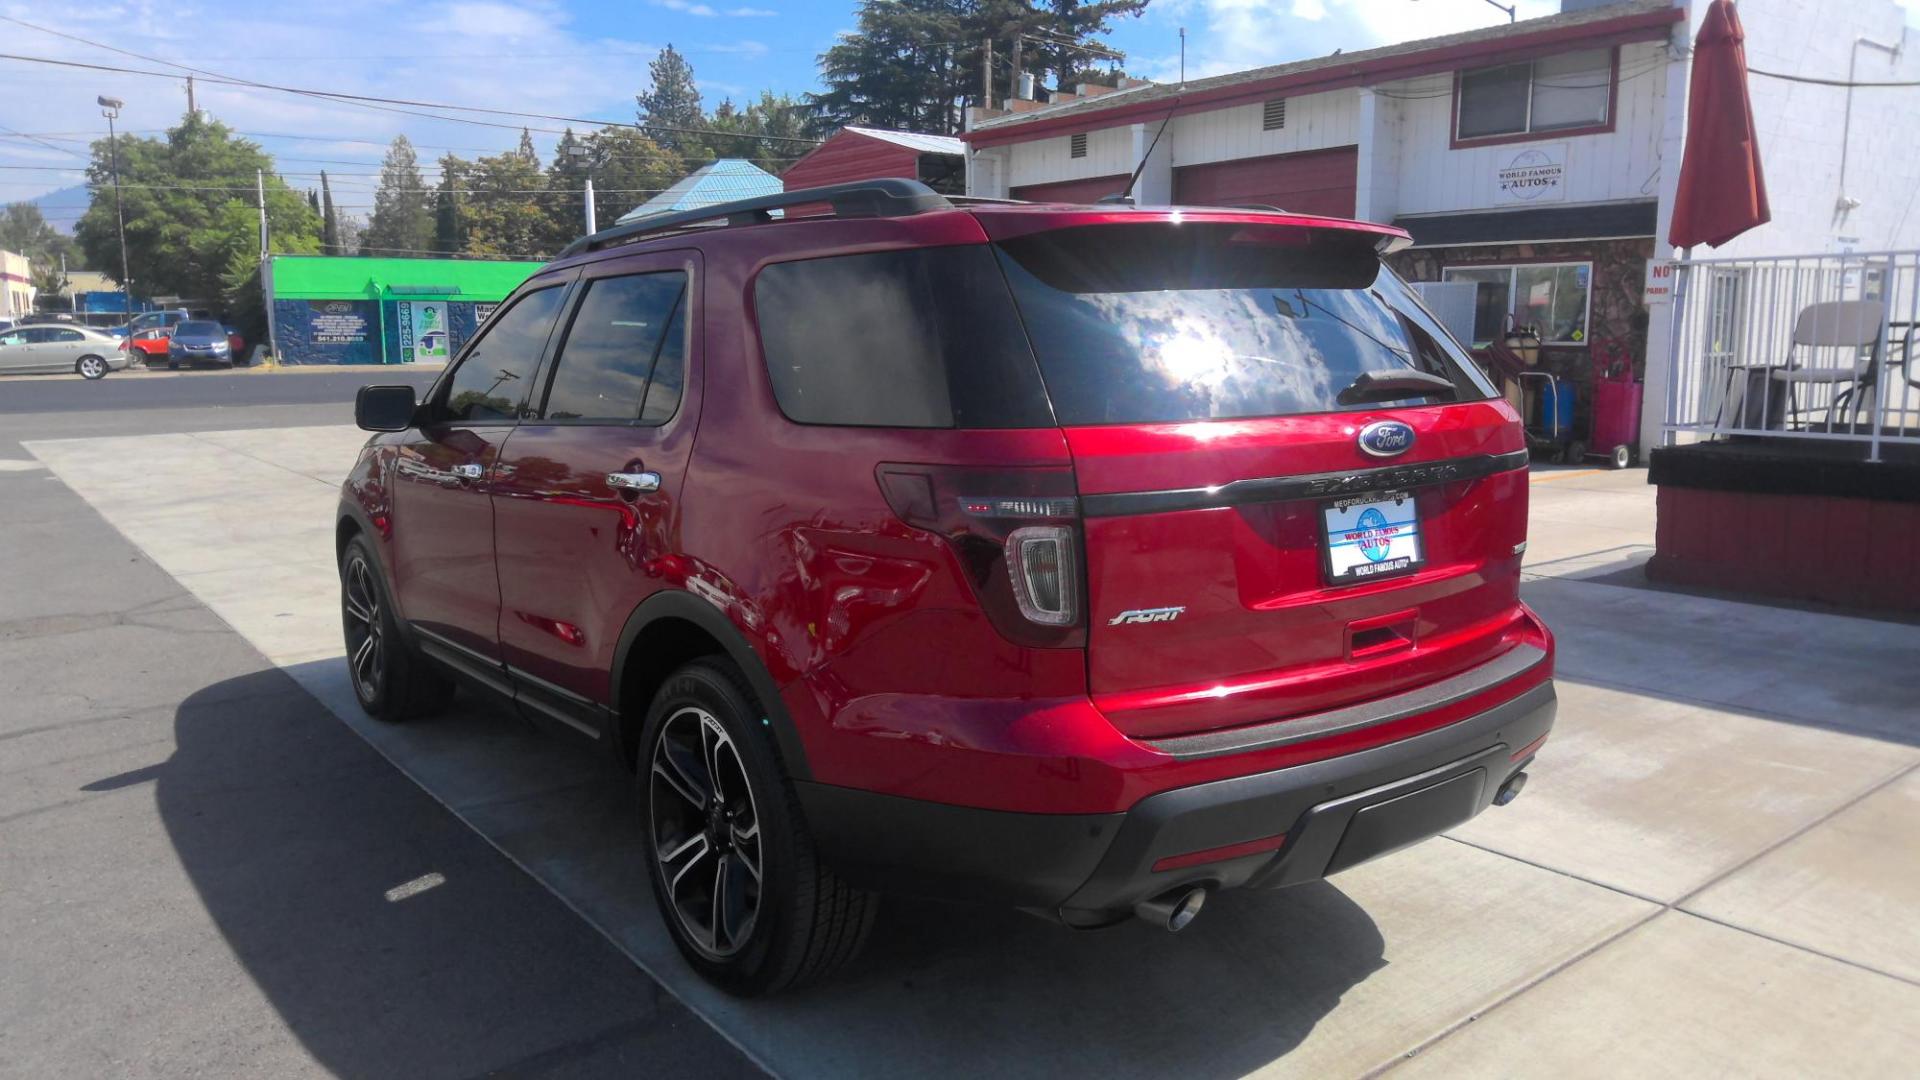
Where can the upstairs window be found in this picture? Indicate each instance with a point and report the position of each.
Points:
(1561, 93)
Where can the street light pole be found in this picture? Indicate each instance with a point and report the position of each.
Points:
(110, 108)
(585, 156)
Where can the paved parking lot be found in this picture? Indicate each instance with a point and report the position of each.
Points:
(1713, 870)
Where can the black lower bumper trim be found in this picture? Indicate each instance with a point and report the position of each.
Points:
(1336, 813)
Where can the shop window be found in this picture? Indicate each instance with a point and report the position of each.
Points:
(1553, 94)
(1554, 298)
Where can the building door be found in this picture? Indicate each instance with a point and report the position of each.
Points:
(586, 491)
(1073, 191)
(443, 568)
(1314, 182)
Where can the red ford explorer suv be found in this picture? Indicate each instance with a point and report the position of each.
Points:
(1081, 559)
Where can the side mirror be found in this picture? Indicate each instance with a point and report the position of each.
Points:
(384, 408)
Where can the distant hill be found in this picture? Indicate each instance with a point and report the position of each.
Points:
(64, 207)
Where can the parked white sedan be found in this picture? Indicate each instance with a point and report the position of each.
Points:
(51, 349)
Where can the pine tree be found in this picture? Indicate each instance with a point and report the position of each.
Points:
(915, 64)
(526, 150)
(566, 182)
(402, 222)
(329, 219)
(449, 218)
(672, 101)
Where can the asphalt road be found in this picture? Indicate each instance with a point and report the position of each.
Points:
(202, 872)
(146, 390)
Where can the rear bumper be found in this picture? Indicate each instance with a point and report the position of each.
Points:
(1334, 813)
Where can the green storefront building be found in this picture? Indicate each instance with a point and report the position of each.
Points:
(327, 309)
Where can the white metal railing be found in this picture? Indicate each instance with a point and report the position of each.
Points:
(1797, 347)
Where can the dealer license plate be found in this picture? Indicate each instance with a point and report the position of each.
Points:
(1371, 537)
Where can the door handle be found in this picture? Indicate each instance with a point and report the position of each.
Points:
(469, 472)
(634, 481)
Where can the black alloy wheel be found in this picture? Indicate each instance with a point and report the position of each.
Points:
(390, 680)
(733, 867)
(706, 832)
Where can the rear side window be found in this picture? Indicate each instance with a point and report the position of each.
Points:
(491, 382)
(1169, 323)
(924, 338)
(612, 346)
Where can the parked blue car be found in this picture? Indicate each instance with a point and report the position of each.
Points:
(199, 341)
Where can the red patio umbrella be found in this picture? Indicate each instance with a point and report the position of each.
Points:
(1722, 192)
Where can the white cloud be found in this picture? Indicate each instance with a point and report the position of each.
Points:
(704, 11)
(521, 55)
(739, 48)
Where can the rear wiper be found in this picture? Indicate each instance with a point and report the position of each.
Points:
(1393, 385)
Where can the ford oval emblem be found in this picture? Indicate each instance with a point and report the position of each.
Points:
(1386, 438)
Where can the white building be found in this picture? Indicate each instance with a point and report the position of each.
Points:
(1538, 160)
(16, 286)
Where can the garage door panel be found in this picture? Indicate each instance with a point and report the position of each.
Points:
(1073, 191)
(1316, 182)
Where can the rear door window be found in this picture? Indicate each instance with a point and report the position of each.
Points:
(1169, 323)
(924, 338)
(621, 330)
(492, 380)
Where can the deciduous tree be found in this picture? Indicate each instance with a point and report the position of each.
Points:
(192, 221)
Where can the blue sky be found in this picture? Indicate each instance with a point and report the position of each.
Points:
(566, 57)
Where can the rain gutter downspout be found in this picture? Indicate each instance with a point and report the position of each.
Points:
(1847, 203)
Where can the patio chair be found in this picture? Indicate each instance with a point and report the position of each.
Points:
(1838, 324)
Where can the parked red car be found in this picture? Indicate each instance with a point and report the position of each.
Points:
(1082, 559)
(151, 344)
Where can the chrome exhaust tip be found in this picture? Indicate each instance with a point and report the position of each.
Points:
(1173, 911)
(1510, 790)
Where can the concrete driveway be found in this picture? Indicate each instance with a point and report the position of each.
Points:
(1715, 869)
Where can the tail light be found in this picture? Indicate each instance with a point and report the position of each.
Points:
(1016, 533)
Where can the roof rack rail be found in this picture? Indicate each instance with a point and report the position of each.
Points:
(885, 197)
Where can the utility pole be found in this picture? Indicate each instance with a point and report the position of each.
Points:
(191, 110)
(1183, 56)
(1013, 84)
(260, 190)
(110, 108)
(986, 74)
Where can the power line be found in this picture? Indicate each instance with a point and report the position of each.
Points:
(365, 100)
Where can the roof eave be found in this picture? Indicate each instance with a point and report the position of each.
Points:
(1626, 29)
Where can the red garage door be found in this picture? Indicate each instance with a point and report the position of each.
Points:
(1072, 191)
(1316, 182)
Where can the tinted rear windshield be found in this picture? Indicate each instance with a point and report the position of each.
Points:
(1166, 323)
(1129, 324)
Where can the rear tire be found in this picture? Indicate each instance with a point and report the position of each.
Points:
(1622, 457)
(390, 680)
(90, 368)
(732, 865)
(172, 364)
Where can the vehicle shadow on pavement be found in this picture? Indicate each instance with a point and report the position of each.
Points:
(390, 939)
(943, 989)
